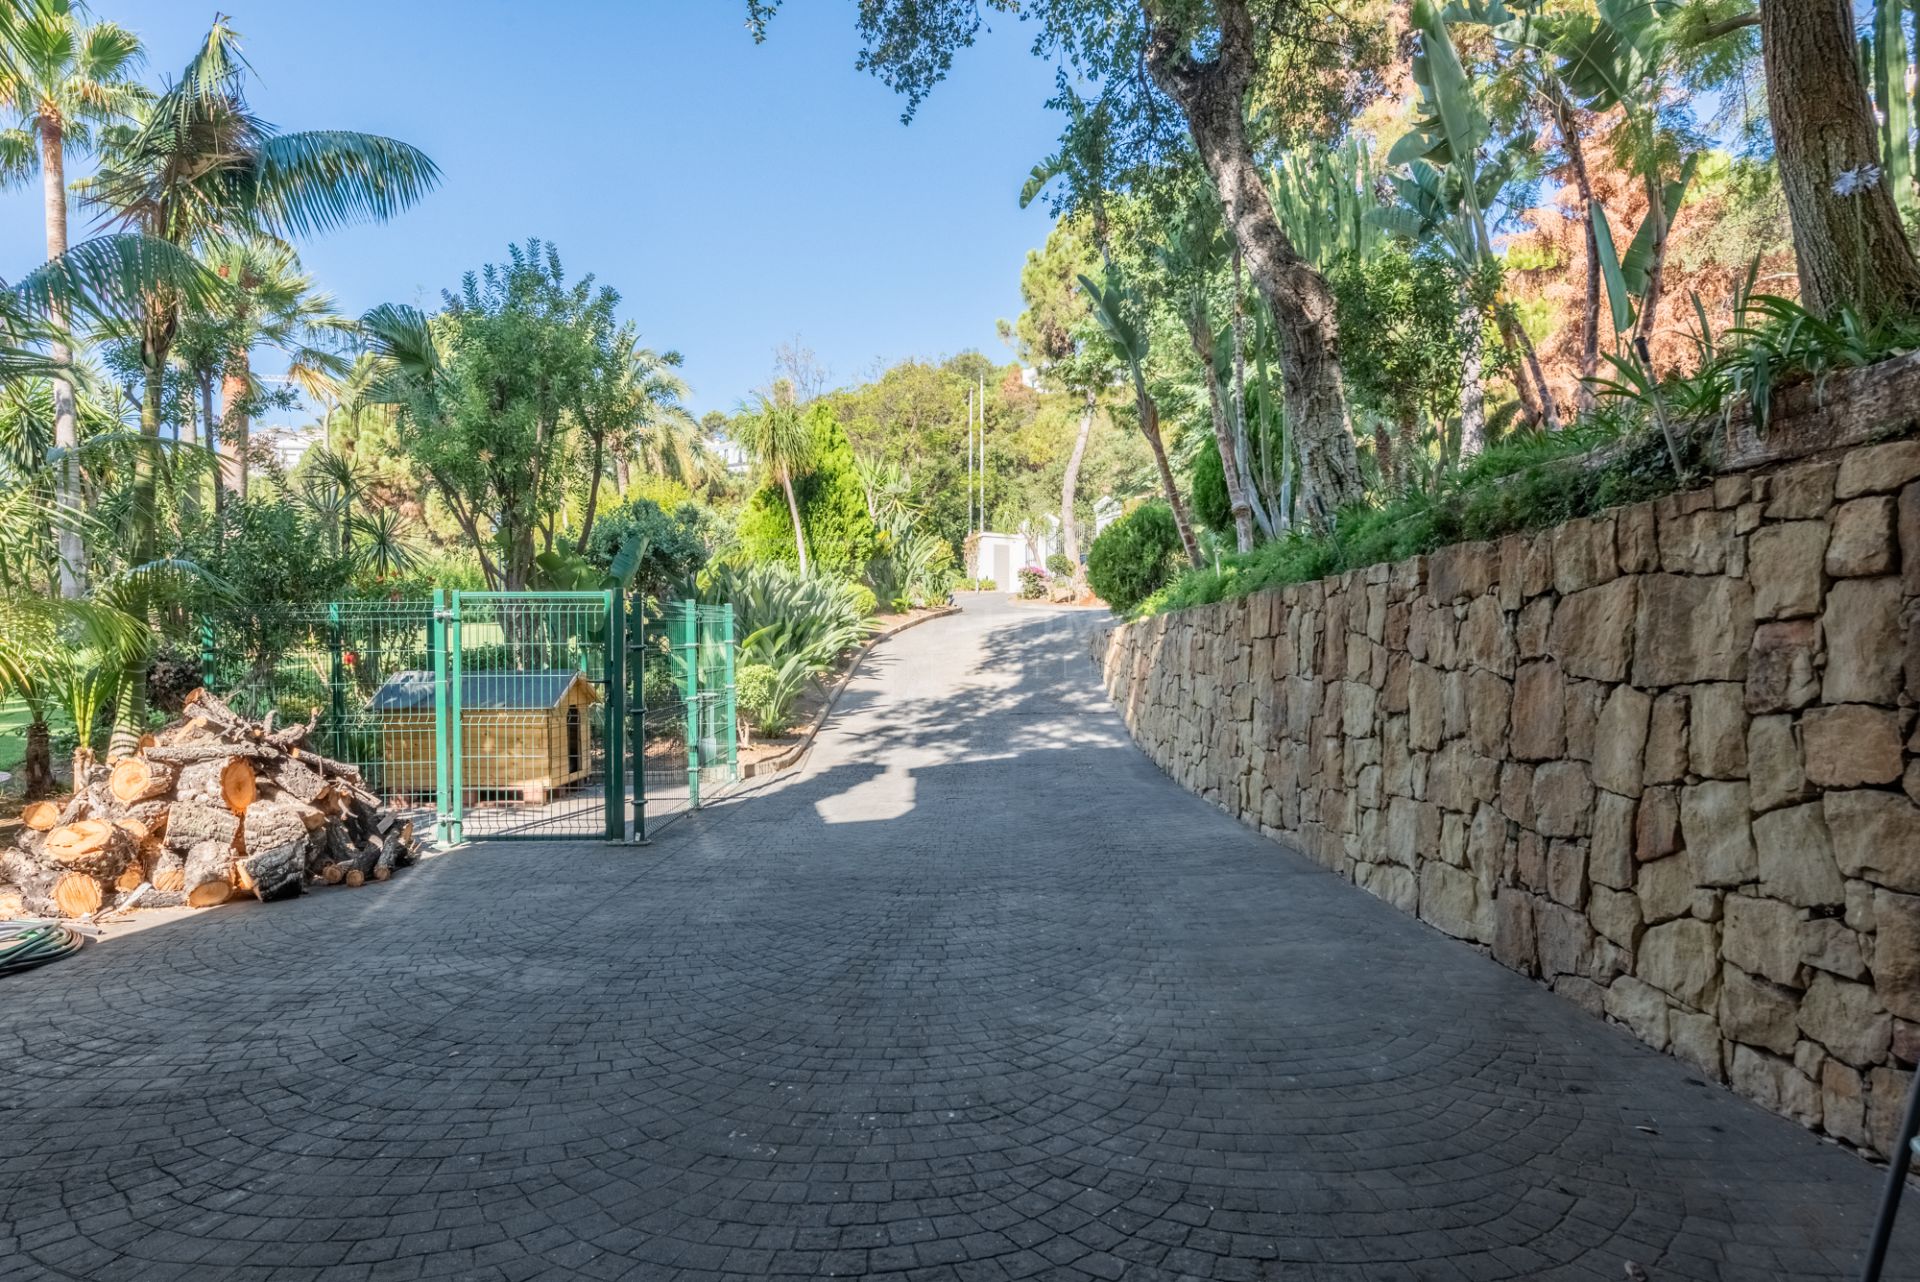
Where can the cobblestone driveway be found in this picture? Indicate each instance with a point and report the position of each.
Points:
(979, 994)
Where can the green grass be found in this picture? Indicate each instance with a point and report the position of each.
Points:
(13, 734)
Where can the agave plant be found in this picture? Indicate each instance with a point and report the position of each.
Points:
(780, 615)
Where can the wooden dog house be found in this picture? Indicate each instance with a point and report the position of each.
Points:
(521, 732)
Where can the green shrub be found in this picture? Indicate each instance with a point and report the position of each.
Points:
(1211, 506)
(1059, 567)
(659, 687)
(1133, 558)
(1033, 583)
(864, 602)
(841, 536)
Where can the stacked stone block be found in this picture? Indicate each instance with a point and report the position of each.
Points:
(1664, 760)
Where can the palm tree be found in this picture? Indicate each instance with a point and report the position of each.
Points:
(777, 436)
(1113, 308)
(200, 164)
(64, 80)
(271, 302)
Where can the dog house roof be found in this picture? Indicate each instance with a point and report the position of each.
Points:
(413, 691)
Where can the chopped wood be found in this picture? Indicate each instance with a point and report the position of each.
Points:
(136, 779)
(208, 875)
(212, 806)
(76, 893)
(275, 873)
(187, 753)
(191, 822)
(169, 871)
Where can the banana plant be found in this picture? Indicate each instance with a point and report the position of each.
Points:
(1631, 280)
(1449, 137)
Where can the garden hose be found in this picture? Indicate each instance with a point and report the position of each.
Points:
(25, 944)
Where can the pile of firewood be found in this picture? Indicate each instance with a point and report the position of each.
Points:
(212, 807)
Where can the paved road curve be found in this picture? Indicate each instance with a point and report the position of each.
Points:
(980, 994)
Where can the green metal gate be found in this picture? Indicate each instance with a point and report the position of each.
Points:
(494, 715)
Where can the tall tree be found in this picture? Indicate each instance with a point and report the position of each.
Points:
(269, 302)
(200, 164)
(1204, 59)
(489, 390)
(777, 436)
(66, 80)
(1847, 238)
(1116, 310)
(1054, 333)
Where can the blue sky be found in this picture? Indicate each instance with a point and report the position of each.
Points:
(738, 196)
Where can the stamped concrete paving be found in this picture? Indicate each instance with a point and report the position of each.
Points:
(980, 994)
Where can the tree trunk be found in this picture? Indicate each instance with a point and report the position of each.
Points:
(1570, 140)
(38, 763)
(66, 417)
(1223, 434)
(1238, 403)
(793, 510)
(130, 703)
(213, 439)
(1850, 249)
(1070, 482)
(1212, 94)
(1383, 453)
(1150, 428)
(1549, 412)
(593, 491)
(1473, 387)
(235, 430)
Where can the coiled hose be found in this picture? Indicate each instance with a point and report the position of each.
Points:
(26, 944)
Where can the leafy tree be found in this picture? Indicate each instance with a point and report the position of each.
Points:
(1211, 504)
(673, 543)
(66, 81)
(1134, 557)
(1116, 308)
(488, 388)
(836, 528)
(200, 163)
(1204, 61)
(1404, 352)
(1057, 332)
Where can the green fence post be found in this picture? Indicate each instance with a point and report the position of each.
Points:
(689, 645)
(456, 767)
(442, 776)
(637, 671)
(336, 684)
(616, 777)
(733, 711)
(208, 660)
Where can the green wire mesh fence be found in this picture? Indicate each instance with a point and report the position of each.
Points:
(501, 714)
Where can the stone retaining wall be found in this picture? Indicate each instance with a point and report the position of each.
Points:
(1663, 759)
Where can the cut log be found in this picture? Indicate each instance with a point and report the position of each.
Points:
(393, 851)
(94, 847)
(77, 894)
(169, 871)
(183, 754)
(191, 822)
(41, 816)
(132, 877)
(78, 807)
(136, 779)
(297, 780)
(276, 872)
(207, 877)
(158, 898)
(33, 843)
(153, 814)
(277, 824)
(210, 707)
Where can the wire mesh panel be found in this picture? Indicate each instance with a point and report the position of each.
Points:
(683, 720)
(336, 663)
(533, 707)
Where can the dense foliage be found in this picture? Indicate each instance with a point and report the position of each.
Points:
(1133, 558)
